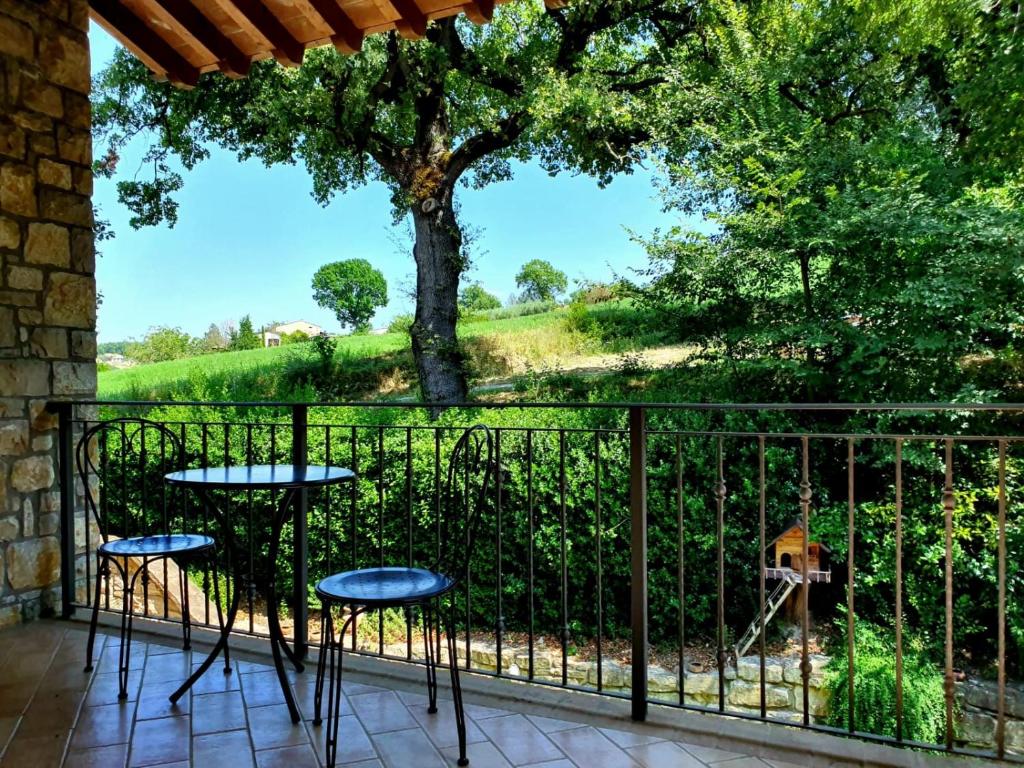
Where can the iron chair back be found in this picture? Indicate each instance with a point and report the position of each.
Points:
(129, 458)
(463, 500)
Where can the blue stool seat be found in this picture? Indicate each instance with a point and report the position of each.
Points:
(384, 586)
(157, 546)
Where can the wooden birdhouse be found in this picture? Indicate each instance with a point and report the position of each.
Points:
(788, 554)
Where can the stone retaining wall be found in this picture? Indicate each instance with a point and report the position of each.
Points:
(783, 690)
(976, 700)
(47, 289)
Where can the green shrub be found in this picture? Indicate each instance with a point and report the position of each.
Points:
(874, 688)
(596, 293)
(578, 319)
(520, 310)
(401, 323)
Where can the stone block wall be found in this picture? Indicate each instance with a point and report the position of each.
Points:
(47, 285)
(976, 700)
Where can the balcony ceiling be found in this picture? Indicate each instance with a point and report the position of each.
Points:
(181, 39)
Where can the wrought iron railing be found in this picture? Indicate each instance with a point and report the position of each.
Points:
(629, 534)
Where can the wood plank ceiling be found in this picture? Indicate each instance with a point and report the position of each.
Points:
(181, 39)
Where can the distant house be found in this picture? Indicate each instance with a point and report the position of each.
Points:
(272, 337)
(310, 329)
(115, 360)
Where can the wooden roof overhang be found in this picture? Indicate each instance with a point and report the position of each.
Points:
(181, 39)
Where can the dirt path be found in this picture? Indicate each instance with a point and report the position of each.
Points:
(597, 365)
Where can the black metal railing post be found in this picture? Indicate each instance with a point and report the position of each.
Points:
(300, 548)
(66, 468)
(638, 556)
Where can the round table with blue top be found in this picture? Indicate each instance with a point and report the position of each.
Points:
(288, 479)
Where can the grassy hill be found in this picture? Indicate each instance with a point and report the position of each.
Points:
(372, 366)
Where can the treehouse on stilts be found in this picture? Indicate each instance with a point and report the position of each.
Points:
(786, 552)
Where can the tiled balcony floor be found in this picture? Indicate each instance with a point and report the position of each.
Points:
(53, 714)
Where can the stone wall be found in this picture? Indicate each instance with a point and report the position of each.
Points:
(47, 288)
(783, 689)
(977, 700)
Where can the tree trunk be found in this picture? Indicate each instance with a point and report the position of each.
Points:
(439, 265)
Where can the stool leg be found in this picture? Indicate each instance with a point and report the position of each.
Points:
(321, 664)
(453, 666)
(127, 615)
(220, 611)
(431, 659)
(186, 614)
(102, 569)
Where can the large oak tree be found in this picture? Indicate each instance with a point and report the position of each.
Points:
(571, 87)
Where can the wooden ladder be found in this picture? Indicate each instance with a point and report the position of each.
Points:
(775, 601)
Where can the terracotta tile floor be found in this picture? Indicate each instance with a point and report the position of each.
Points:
(53, 714)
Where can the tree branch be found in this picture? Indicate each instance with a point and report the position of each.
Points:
(386, 153)
(469, 64)
(503, 135)
(637, 86)
(786, 91)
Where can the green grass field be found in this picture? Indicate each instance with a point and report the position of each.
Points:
(177, 378)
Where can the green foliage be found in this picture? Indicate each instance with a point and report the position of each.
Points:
(159, 344)
(474, 298)
(296, 337)
(567, 86)
(213, 340)
(597, 292)
(578, 318)
(522, 309)
(111, 347)
(866, 246)
(401, 323)
(540, 281)
(325, 346)
(245, 336)
(352, 289)
(874, 688)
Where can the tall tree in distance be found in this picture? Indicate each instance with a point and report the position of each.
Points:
(245, 337)
(352, 289)
(540, 281)
(213, 340)
(570, 86)
(475, 298)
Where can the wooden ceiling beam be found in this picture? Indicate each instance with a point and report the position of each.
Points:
(117, 17)
(286, 49)
(347, 37)
(479, 11)
(232, 61)
(411, 23)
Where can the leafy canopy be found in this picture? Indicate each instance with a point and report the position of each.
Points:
(475, 298)
(867, 243)
(541, 281)
(160, 343)
(569, 87)
(352, 289)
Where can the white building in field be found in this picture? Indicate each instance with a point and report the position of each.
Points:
(272, 336)
(310, 329)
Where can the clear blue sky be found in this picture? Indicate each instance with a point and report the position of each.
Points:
(249, 239)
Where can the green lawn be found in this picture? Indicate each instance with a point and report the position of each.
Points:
(369, 366)
(162, 380)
